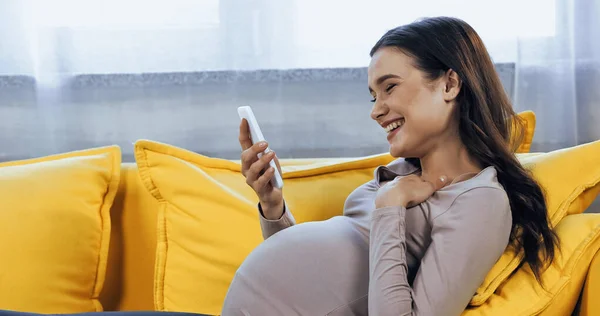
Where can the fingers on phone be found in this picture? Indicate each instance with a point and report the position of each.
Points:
(264, 179)
(260, 147)
(256, 169)
(250, 155)
(262, 163)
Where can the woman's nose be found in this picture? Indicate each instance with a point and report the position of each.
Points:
(378, 111)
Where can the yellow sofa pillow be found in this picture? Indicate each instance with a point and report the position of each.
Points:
(55, 230)
(563, 280)
(208, 220)
(207, 198)
(570, 178)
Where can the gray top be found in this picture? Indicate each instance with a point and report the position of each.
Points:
(426, 260)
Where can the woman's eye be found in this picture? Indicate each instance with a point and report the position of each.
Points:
(390, 87)
(374, 99)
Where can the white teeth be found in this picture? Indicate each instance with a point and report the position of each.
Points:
(393, 125)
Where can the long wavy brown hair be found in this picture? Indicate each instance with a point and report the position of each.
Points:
(488, 126)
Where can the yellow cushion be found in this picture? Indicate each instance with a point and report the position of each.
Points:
(570, 178)
(129, 283)
(55, 230)
(522, 295)
(528, 118)
(207, 198)
(208, 220)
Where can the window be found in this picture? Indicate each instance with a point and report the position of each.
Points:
(84, 73)
(84, 37)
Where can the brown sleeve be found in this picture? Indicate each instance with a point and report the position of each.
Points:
(270, 227)
(467, 240)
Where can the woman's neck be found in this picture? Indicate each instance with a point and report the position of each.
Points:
(450, 159)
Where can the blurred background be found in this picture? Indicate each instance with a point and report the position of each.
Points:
(76, 74)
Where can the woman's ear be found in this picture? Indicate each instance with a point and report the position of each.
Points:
(452, 86)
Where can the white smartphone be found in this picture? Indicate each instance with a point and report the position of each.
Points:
(245, 112)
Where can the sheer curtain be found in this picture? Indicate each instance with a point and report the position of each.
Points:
(82, 73)
(558, 77)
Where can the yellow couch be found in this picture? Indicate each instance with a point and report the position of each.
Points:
(129, 283)
(130, 276)
(83, 232)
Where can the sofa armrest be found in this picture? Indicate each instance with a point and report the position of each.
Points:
(589, 302)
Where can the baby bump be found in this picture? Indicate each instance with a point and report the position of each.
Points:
(308, 269)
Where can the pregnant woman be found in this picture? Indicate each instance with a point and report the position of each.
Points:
(421, 236)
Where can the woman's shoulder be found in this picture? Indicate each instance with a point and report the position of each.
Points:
(479, 196)
(483, 184)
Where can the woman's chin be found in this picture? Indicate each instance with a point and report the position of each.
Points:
(397, 150)
(400, 149)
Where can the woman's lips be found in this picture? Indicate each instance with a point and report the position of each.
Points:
(393, 133)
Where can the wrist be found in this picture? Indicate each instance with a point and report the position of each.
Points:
(398, 201)
(272, 212)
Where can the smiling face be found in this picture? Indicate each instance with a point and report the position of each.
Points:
(416, 112)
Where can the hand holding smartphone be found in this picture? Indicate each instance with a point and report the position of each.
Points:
(245, 112)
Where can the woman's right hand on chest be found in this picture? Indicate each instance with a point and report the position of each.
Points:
(258, 174)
